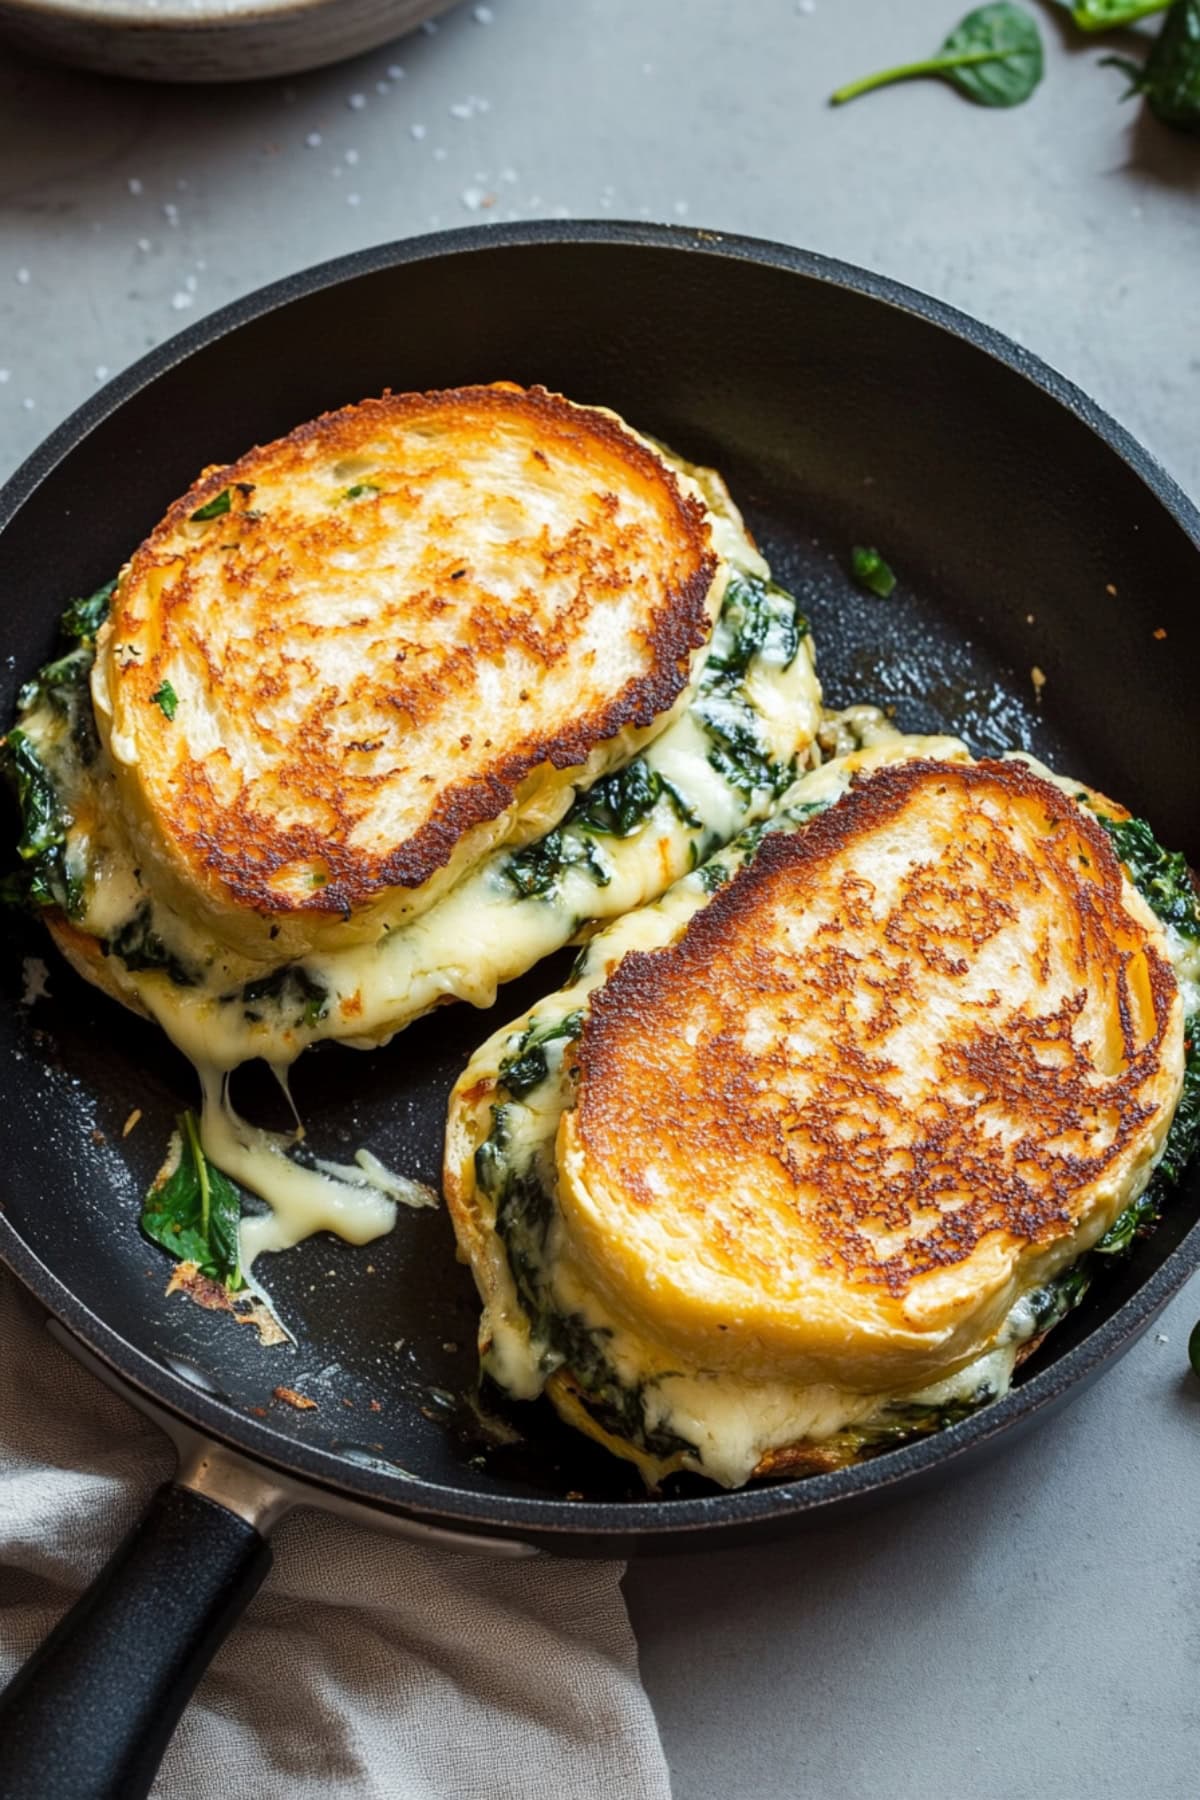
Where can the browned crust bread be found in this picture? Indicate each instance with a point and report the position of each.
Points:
(888, 1186)
(313, 794)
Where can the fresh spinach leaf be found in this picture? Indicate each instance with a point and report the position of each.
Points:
(166, 697)
(994, 57)
(213, 509)
(196, 1211)
(1170, 76)
(1111, 15)
(871, 572)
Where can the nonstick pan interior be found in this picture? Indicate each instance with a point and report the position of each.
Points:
(1027, 533)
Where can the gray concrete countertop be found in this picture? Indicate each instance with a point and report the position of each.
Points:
(1034, 1629)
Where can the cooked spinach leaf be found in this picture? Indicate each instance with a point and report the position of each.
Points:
(527, 1067)
(539, 867)
(42, 845)
(139, 946)
(1161, 877)
(54, 680)
(1170, 76)
(292, 992)
(737, 751)
(524, 1211)
(359, 489)
(83, 618)
(871, 572)
(757, 618)
(166, 697)
(213, 509)
(619, 804)
(196, 1211)
(994, 57)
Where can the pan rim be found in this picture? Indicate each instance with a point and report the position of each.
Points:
(550, 1519)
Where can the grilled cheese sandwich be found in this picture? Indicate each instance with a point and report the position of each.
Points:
(803, 1154)
(387, 711)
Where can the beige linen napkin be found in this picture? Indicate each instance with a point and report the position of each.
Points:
(367, 1668)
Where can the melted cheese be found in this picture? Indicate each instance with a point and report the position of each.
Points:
(730, 1424)
(481, 932)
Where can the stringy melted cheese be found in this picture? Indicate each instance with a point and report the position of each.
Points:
(480, 933)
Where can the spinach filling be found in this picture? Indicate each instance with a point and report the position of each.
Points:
(524, 1212)
(527, 1067)
(757, 619)
(524, 1209)
(45, 877)
(294, 995)
(138, 945)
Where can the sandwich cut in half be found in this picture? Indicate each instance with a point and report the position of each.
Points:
(810, 1152)
(385, 711)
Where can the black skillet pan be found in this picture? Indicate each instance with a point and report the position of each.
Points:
(1027, 530)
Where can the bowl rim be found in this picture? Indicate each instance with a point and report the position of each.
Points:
(393, 1491)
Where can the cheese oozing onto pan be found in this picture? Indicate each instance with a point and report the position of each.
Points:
(233, 975)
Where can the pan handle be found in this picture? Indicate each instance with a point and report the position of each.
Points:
(92, 1711)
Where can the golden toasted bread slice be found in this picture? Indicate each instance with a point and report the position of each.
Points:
(911, 1059)
(346, 666)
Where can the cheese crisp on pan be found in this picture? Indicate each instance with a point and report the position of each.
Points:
(809, 1151)
(385, 711)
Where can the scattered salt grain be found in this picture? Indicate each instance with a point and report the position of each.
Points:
(5, 375)
(429, 27)
(473, 198)
(356, 102)
(171, 213)
(313, 140)
(395, 72)
(144, 245)
(353, 199)
(28, 403)
(135, 186)
(416, 131)
(352, 157)
(101, 371)
(483, 15)
(23, 277)
(440, 153)
(181, 300)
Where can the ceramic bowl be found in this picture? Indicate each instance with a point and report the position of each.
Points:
(207, 40)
